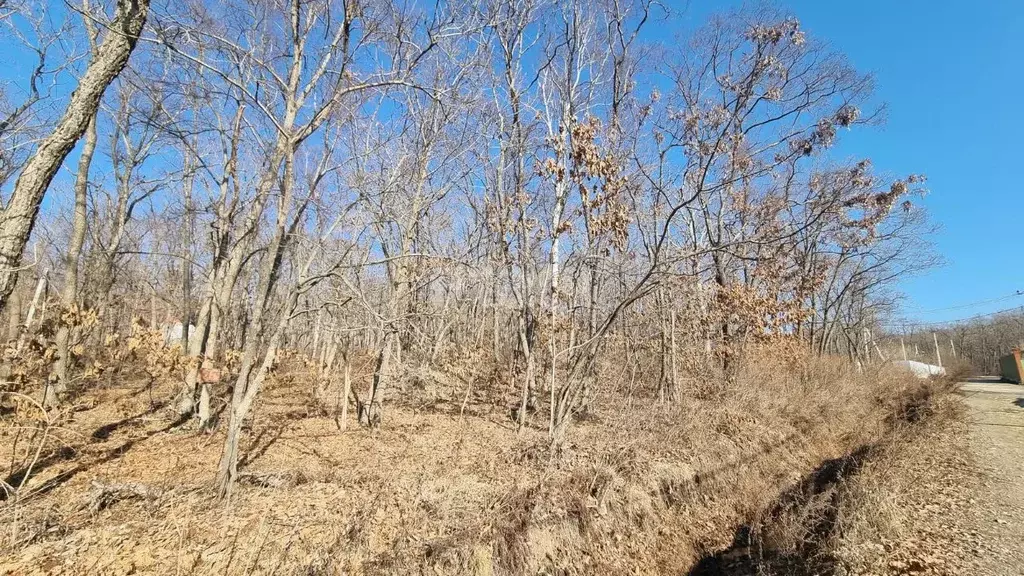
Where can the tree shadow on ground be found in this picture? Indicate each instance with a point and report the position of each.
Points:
(67, 452)
(104, 432)
(266, 438)
(751, 553)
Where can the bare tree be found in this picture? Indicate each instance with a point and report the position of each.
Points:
(19, 215)
(538, 199)
(79, 223)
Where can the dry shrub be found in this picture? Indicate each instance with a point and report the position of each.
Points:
(28, 359)
(959, 370)
(912, 469)
(729, 460)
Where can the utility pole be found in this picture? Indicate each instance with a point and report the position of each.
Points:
(938, 356)
(904, 348)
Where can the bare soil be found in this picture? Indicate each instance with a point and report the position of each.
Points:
(945, 499)
(997, 444)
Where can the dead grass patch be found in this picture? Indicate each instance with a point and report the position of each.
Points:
(646, 488)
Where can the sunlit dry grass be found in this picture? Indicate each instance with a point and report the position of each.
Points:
(642, 486)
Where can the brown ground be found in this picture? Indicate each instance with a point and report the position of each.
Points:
(642, 487)
(997, 443)
(948, 497)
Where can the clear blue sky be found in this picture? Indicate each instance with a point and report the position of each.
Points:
(952, 76)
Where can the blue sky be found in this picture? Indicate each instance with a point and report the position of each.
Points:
(952, 76)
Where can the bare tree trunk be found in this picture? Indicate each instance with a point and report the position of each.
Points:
(528, 377)
(203, 412)
(19, 216)
(247, 386)
(14, 316)
(346, 391)
(69, 294)
(206, 343)
(196, 350)
(675, 366)
(186, 260)
(664, 387)
(36, 298)
(374, 409)
(553, 256)
(316, 333)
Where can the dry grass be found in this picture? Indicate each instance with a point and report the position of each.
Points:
(895, 514)
(862, 513)
(645, 489)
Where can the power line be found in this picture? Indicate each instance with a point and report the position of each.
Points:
(948, 322)
(972, 304)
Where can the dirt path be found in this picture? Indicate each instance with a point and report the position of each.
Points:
(997, 443)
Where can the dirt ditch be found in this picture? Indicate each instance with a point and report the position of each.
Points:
(792, 537)
(799, 534)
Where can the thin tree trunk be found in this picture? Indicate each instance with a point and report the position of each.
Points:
(374, 409)
(79, 222)
(247, 386)
(40, 288)
(346, 391)
(316, 333)
(527, 377)
(186, 262)
(663, 350)
(552, 339)
(196, 351)
(675, 368)
(14, 316)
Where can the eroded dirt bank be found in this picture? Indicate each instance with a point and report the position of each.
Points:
(942, 495)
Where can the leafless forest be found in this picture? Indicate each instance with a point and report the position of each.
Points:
(978, 340)
(571, 210)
